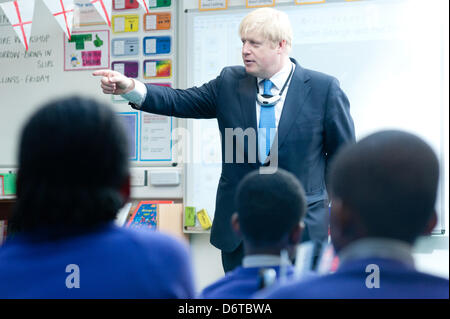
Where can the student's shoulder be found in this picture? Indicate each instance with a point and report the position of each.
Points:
(153, 241)
(303, 288)
(221, 286)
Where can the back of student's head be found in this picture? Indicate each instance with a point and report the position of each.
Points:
(72, 164)
(389, 180)
(269, 206)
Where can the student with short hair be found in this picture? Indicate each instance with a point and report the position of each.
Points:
(73, 177)
(383, 192)
(270, 208)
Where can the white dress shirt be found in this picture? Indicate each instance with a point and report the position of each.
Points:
(278, 80)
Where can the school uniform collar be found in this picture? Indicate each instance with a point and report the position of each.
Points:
(378, 248)
(251, 261)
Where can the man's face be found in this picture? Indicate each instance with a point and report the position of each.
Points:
(262, 58)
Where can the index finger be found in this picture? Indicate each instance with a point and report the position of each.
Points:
(102, 73)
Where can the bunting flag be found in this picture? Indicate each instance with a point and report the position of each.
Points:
(62, 10)
(143, 3)
(20, 15)
(104, 9)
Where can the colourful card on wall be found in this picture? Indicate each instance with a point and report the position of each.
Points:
(125, 23)
(159, 3)
(128, 68)
(125, 4)
(157, 21)
(125, 47)
(157, 69)
(157, 45)
(87, 50)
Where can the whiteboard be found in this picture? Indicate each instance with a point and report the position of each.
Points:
(388, 56)
(29, 79)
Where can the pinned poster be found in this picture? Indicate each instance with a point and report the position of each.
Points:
(128, 68)
(125, 4)
(103, 7)
(87, 50)
(156, 137)
(157, 69)
(157, 21)
(125, 47)
(125, 23)
(62, 10)
(20, 15)
(207, 5)
(157, 45)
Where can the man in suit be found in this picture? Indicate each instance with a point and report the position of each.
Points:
(270, 208)
(383, 192)
(292, 118)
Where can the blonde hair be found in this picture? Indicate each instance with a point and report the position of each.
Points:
(272, 24)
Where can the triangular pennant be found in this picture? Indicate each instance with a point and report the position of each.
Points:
(104, 9)
(62, 10)
(143, 4)
(20, 15)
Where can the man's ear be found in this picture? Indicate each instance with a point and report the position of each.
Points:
(235, 224)
(431, 224)
(125, 190)
(281, 46)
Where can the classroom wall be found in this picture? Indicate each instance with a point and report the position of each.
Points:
(430, 252)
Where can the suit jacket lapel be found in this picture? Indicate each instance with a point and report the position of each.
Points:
(298, 91)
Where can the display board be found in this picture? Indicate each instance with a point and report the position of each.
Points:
(388, 55)
(55, 66)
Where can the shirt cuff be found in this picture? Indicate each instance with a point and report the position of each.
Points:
(137, 95)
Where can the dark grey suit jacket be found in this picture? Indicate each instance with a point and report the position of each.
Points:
(314, 124)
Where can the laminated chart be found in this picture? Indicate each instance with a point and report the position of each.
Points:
(157, 45)
(156, 137)
(153, 4)
(87, 50)
(128, 68)
(157, 21)
(125, 23)
(122, 47)
(125, 4)
(157, 69)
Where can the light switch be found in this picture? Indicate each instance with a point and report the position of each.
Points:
(138, 177)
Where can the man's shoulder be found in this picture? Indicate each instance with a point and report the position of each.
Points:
(316, 75)
(235, 72)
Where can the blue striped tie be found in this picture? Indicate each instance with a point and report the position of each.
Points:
(266, 131)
